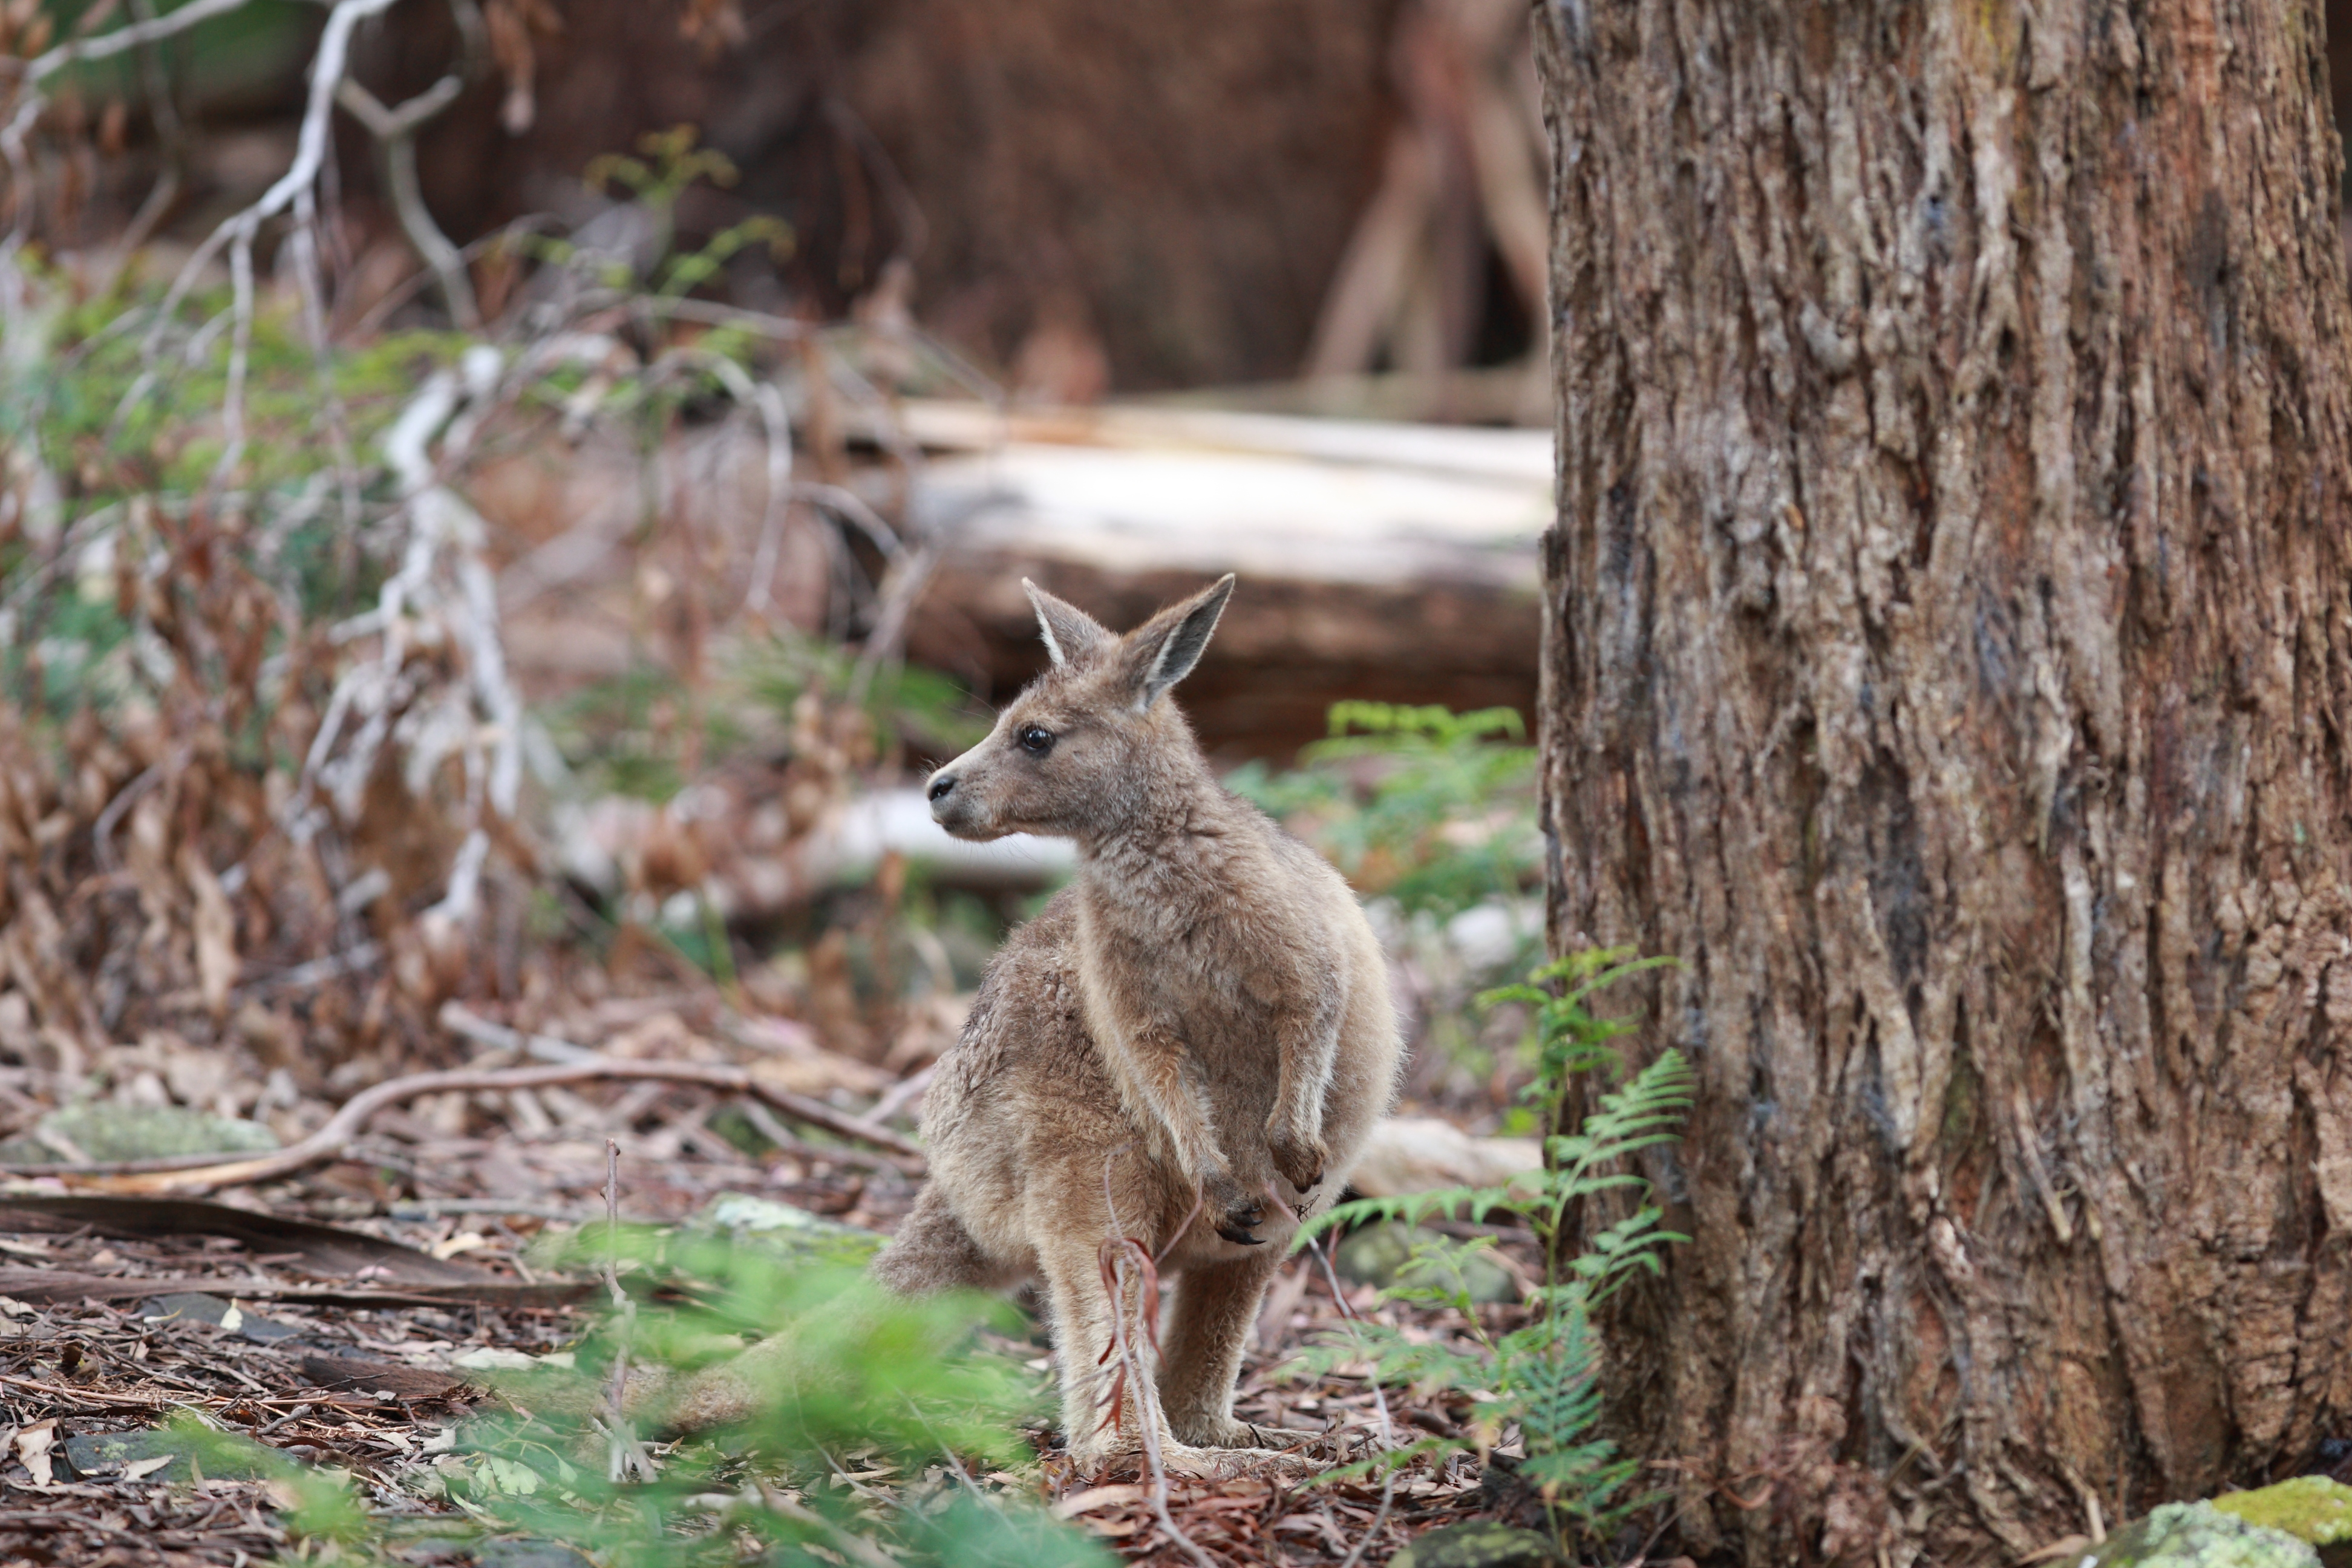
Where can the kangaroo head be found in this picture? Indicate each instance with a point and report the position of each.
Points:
(1083, 747)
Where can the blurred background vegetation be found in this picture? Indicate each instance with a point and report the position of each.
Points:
(469, 627)
(504, 500)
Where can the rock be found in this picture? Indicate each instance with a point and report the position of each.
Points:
(133, 1455)
(1377, 1254)
(800, 1236)
(2198, 1535)
(104, 1130)
(1421, 1153)
(2309, 1508)
(1483, 1543)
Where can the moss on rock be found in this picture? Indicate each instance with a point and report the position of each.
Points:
(2310, 1508)
(2196, 1535)
(1482, 1543)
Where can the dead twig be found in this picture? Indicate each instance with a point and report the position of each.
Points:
(394, 130)
(764, 1122)
(626, 1457)
(33, 73)
(204, 1173)
(902, 1094)
(1121, 1254)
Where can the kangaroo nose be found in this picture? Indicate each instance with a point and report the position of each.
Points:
(942, 786)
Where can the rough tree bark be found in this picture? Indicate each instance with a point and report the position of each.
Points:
(1947, 648)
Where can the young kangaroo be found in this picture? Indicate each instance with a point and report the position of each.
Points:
(1202, 1013)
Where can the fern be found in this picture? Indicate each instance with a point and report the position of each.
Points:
(1544, 1376)
(917, 1388)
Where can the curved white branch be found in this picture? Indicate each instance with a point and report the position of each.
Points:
(309, 157)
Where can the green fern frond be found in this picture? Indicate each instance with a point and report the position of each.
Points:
(1545, 1375)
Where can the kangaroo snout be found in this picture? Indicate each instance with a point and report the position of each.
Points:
(955, 805)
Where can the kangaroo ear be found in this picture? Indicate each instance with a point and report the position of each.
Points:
(1070, 632)
(1163, 650)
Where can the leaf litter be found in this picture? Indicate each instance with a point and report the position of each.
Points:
(350, 1345)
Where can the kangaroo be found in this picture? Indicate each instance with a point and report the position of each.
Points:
(1204, 1012)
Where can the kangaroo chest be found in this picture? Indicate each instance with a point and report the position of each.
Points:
(1195, 970)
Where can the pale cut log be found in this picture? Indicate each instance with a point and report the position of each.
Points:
(748, 875)
(1380, 561)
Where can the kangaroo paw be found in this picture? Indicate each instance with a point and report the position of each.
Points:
(1299, 1159)
(1236, 1211)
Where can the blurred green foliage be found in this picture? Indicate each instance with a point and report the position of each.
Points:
(922, 1393)
(918, 1398)
(1432, 809)
(907, 704)
(629, 733)
(1543, 1377)
(236, 62)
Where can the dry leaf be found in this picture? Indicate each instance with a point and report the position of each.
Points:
(215, 932)
(33, 1445)
(1094, 1498)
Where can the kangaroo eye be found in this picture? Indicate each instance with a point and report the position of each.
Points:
(1035, 740)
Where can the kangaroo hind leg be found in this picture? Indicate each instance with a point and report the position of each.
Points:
(934, 1251)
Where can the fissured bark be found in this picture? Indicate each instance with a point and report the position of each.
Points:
(1947, 659)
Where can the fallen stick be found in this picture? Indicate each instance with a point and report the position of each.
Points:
(205, 1173)
(775, 1133)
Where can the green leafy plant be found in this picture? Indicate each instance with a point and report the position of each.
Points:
(1541, 1378)
(669, 162)
(876, 1416)
(926, 1393)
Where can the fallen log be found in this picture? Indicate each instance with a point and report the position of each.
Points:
(1394, 563)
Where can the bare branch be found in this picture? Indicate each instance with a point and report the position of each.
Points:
(44, 66)
(239, 229)
(205, 1173)
(395, 130)
(169, 131)
(769, 404)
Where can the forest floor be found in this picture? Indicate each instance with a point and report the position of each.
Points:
(350, 1317)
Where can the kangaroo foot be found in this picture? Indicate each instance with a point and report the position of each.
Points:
(1231, 1434)
(1224, 1464)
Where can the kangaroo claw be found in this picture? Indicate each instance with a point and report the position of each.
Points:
(1239, 1224)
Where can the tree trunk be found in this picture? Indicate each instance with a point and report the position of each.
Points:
(1946, 656)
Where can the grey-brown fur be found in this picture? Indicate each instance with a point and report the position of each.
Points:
(1201, 1018)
